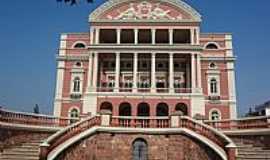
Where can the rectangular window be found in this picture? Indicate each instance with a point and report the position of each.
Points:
(162, 36)
(181, 36)
(145, 36)
(107, 36)
(127, 36)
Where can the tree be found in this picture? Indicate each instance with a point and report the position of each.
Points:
(36, 109)
(73, 2)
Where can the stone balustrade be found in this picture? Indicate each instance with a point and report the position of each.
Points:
(241, 124)
(29, 119)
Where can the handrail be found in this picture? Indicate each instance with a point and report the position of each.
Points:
(209, 132)
(13, 117)
(61, 136)
(243, 123)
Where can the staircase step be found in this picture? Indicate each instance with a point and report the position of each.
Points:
(20, 157)
(258, 156)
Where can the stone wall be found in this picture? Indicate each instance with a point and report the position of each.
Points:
(11, 137)
(106, 146)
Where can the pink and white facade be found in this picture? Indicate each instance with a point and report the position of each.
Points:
(146, 58)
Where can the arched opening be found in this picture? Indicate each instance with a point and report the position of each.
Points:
(143, 109)
(139, 150)
(182, 107)
(211, 46)
(74, 114)
(125, 109)
(79, 45)
(106, 106)
(162, 109)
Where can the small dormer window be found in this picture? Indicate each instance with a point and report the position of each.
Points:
(211, 46)
(79, 45)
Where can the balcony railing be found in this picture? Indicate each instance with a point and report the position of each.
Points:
(141, 122)
(145, 90)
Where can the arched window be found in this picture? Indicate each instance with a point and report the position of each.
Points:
(143, 109)
(125, 109)
(162, 109)
(79, 45)
(139, 150)
(215, 115)
(211, 46)
(213, 86)
(182, 107)
(74, 113)
(106, 106)
(77, 84)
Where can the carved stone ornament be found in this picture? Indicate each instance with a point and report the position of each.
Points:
(145, 11)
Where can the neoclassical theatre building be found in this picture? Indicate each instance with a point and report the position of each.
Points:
(146, 58)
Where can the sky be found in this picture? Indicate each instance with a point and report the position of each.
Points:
(29, 39)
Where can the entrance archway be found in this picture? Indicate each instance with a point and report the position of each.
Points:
(139, 149)
(143, 110)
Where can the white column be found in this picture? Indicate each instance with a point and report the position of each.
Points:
(193, 72)
(153, 72)
(91, 35)
(95, 72)
(153, 31)
(97, 36)
(171, 36)
(198, 36)
(188, 75)
(136, 32)
(118, 30)
(171, 73)
(117, 71)
(90, 71)
(59, 88)
(135, 70)
(199, 76)
(192, 36)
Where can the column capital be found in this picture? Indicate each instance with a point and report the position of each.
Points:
(171, 53)
(153, 54)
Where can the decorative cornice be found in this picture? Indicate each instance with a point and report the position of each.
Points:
(93, 17)
(146, 48)
(72, 57)
(218, 58)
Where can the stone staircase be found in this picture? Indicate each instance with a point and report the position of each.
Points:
(24, 151)
(250, 152)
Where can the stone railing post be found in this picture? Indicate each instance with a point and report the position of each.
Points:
(231, 152)
(268, 121)
(105, 116)
(43, 151)
(175, 119)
